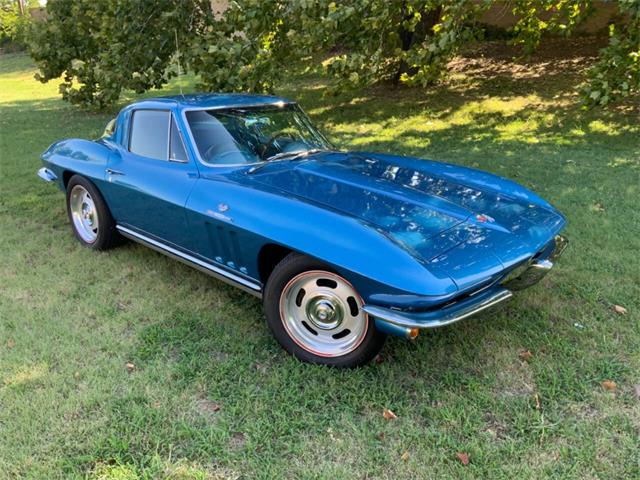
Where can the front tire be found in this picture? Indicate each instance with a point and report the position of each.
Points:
(90, 218)
(317, 315)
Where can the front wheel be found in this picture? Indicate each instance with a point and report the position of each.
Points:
(317, 315)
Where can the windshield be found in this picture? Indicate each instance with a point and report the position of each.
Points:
(253, 134)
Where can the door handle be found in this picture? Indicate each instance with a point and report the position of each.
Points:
(113, 172)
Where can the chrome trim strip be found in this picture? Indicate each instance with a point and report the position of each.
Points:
(47, 175)
(409, 320)
(228, 277)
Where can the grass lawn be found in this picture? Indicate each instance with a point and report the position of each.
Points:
(210, 394)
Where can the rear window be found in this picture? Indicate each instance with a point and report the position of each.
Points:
(150, 134)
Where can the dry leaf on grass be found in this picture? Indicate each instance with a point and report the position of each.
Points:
(536, 397)
(405, 456)
(463, 457)
(130, 367)
(388, 414)
(11, 343)
(380, 436)
(207, 406)
(609, 385)
(525, 355)
(619, 309)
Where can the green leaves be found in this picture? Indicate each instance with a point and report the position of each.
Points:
(100, 47)
(617, 71)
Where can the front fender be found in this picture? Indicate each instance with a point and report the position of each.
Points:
(364, 255)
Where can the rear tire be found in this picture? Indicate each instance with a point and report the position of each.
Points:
(90, 218)
(317, 316)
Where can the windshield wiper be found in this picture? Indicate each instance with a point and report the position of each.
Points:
(282, 156)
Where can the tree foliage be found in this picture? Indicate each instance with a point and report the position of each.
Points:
(100, 47)
(14, 21)
(617, 72)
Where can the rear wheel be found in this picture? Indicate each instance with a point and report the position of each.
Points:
(89, 215)
(318, 316)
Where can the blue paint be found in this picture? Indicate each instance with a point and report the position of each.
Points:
(408, 233)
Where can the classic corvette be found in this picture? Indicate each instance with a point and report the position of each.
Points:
(342, 247)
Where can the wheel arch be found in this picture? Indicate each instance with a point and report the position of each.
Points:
(269, 256)
(66, 176)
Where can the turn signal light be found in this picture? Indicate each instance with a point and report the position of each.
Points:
(413, 333)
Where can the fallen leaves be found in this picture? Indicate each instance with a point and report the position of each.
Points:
(405, 456)
(130, 367)
(207, 406)
(380, 436)
(620, 310)
(388, 414)
(463, 457)
(609, 385)
(10, 343)
(525, 355)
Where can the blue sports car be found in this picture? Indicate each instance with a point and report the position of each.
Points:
(342, 247)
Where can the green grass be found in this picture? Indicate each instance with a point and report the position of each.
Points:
(71, 319)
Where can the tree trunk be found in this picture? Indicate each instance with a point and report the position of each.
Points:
(407, 38)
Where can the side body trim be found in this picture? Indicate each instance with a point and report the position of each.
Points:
(220, 274)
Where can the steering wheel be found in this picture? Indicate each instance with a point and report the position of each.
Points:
(272, 139)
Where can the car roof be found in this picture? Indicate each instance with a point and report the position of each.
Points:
(212, 100)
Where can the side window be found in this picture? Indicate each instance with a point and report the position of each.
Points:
(176, 147)
(150, 133)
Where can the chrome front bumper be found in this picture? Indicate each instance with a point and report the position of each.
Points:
(436, 318)
(535, 269)
(401, 323)
(47, 175)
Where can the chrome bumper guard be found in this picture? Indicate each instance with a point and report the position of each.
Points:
(399, 322)
(533, 271)
(47, 175)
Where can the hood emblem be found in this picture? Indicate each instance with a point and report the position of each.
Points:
(482, 218)
(223, 207)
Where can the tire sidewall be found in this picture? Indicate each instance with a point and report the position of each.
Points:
(106, 228)
(293, 265)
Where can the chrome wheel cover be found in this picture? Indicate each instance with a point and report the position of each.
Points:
(323, 313)
(84, 214)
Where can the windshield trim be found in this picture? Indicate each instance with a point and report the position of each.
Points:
(192, 141)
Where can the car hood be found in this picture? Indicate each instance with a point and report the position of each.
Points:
(455, 219)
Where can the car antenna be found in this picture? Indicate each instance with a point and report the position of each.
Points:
(175, 31)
